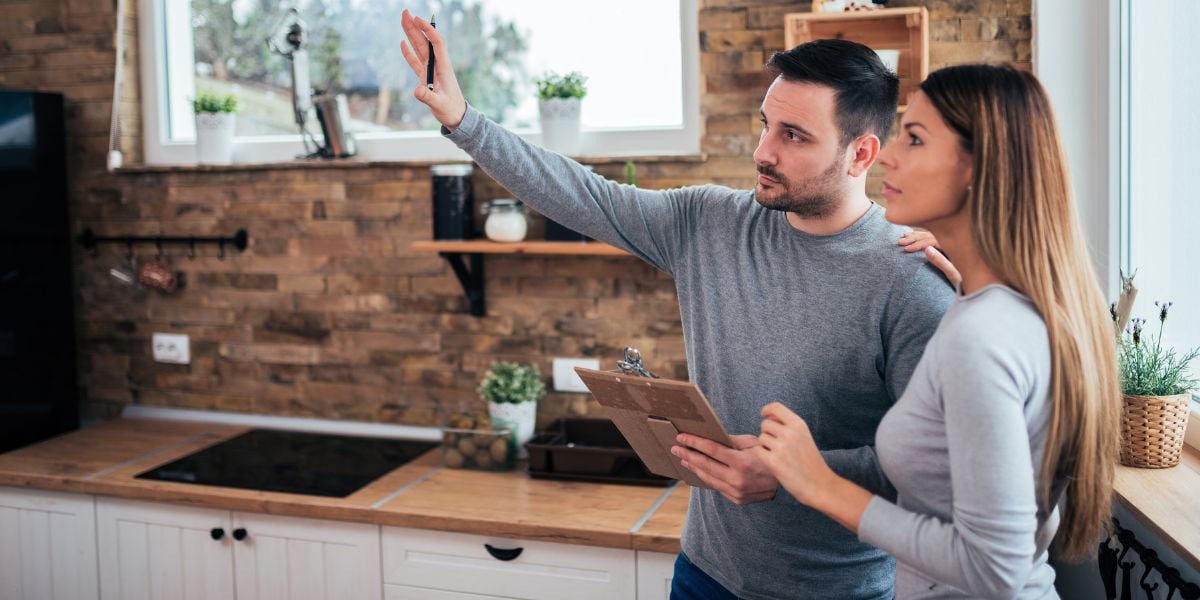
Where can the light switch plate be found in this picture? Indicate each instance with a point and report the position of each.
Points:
(171, 348)
(565, 379)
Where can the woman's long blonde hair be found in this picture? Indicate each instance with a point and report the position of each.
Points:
(1027, 231)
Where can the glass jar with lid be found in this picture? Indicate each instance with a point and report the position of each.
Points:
(507, 220)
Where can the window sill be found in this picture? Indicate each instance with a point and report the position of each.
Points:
(1165, 500)
(351, 163)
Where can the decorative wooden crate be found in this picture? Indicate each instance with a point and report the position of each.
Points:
(903, 29)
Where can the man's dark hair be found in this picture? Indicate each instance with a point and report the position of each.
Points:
(867, 91)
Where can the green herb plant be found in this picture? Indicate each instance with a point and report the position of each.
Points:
(551, 85)
(1147, 368)
(209, 102)
(512, 383)
(631, 173)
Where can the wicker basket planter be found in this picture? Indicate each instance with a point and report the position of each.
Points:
(1152, 429)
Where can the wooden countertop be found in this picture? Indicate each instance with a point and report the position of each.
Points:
(1164, 500)
(105, 459)
(661, 531)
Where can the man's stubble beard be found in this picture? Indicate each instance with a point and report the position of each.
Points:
(814, 197)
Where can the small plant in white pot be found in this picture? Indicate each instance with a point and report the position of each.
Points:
(512, 391)
(215, 119)
(559, 102)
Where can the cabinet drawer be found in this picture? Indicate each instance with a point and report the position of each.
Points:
(404, 592)
(420, 563)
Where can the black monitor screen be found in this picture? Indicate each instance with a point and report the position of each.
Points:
(18, 131)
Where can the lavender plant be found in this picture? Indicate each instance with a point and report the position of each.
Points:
(1147, 368)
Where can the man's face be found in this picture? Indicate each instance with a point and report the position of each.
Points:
(802, 165)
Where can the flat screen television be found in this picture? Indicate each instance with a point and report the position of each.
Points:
(18, 131)
(39, 389)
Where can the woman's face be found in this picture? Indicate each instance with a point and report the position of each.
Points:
(928, 171)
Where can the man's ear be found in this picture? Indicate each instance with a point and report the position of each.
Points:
(863, 152)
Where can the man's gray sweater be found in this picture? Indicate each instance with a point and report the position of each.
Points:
(831, 326)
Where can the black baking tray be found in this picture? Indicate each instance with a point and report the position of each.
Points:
(582, 449)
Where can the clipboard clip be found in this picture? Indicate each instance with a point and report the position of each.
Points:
(632, 365)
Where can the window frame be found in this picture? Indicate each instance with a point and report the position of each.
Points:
(158, 149)
(1122, 65)
(1081, 53)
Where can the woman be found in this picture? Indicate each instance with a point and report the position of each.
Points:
(1016, 394)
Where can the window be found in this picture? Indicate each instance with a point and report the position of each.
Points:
(641, 60)
(1160, 213)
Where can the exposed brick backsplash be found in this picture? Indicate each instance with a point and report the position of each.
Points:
(328, 313)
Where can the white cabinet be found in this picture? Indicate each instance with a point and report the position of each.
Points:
(47, 545)
(654, 573)
(305, 559)
(160, 551)
(157, 551)
(455, 566)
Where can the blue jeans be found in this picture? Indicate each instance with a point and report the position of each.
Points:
(690, 583)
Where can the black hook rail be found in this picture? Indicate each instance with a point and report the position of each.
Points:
(1112, 558)
(239, 240)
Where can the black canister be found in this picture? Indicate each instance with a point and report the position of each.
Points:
(556, 232)
(453, 202)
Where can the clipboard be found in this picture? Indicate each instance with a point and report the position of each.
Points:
(650, 412)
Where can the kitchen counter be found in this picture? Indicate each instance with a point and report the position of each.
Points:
(104, 459)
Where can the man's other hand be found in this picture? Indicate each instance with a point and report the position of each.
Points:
(737, 473)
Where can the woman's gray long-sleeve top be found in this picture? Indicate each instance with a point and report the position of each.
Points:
(963, 447)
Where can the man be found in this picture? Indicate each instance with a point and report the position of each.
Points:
(793, 292)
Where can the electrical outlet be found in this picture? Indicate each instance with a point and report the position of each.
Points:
(171, 348)
(565, 379)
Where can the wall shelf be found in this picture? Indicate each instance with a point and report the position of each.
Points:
(904, 29)
(488, 247)
(459, 252)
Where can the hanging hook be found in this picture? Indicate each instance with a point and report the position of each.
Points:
(221, 249)
(88, 238)
(158, 244)
(129, 249)
(192, 248)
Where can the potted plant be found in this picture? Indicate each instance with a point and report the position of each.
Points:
(215, 120)
(512, 391)
(559, 98)
(1156, 385)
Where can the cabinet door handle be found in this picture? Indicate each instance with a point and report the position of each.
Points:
(217, 533)
(505, 554)
(239, 534)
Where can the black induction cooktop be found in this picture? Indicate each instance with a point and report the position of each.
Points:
(295, 462)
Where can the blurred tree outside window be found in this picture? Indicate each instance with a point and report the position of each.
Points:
(354, 48)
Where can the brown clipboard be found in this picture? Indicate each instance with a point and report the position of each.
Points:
(650, 412)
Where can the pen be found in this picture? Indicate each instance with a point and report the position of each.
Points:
(429, 66)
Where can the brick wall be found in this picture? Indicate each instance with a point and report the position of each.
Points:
(328, 313)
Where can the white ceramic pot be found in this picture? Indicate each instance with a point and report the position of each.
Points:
(559, 119)
(521, 417)
(214, 138)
